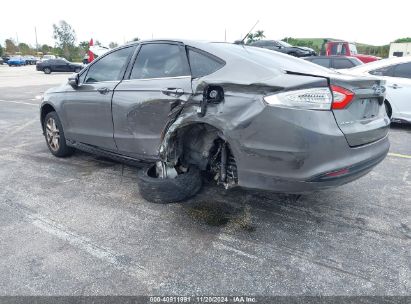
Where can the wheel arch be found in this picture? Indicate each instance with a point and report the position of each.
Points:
(200, 144)
(45, 109)
(390, 110)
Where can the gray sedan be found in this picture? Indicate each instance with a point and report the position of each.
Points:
(239, 115)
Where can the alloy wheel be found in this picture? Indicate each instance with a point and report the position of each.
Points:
(52, 134)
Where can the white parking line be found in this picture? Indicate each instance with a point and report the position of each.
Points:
(20, 102)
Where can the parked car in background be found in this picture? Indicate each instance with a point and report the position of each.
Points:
(344, 48)
(396, 72)
(16, 61)
(335, 62)
(6, 58)
(30, 60)
(183, 107)
(284, 47)
(1, 61)
(47, 57)
(58, 65)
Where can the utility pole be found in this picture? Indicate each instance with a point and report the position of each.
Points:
(37, 45)
(225, 35)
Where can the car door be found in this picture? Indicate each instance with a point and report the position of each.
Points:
(399, 93)
(158, 81)
(87, 107)
(59, 65)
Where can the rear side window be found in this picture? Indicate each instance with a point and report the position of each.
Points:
(403, 70)
(322, 61)
(160, 60)
(342, 63)
(203, 64)
(385, 71)
(109, 67)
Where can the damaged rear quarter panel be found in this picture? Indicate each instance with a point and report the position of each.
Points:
(247, 123)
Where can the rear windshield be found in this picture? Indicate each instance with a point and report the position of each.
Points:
(276, 60)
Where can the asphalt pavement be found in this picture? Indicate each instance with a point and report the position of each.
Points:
(78, 226)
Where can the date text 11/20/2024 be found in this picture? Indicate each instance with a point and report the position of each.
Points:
(203, 299)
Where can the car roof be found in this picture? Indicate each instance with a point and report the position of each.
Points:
(381, 63)
(240, 56)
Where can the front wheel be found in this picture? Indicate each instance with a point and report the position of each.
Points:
(47, 70)
(54, 134)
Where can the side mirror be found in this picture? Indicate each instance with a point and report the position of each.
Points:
(74, 80)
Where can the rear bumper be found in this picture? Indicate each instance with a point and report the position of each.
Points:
(294, 151)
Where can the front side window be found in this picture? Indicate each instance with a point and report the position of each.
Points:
(403, 70)
(160, 60)
(109, 67)
(353, 49)
(202, 64)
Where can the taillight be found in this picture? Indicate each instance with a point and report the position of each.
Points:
(309, 99)
(341, 97)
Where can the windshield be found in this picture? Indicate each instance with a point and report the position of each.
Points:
(353, 49)
(284, 44)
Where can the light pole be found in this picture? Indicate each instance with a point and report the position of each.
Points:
(37, 45)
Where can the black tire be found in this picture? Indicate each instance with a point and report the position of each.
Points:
(47, 71)
(168, 190)
(63, 150)
(77, 70)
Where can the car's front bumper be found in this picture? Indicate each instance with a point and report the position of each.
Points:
(297, 151)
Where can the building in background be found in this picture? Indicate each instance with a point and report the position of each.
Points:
(400, 49)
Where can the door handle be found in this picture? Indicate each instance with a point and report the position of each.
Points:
(103, 90)
(175, 92)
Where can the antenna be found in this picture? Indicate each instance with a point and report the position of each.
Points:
(242, 40)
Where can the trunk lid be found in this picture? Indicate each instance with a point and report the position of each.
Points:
(364, 119)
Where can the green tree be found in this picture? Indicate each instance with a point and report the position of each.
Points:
(65, 37)
(402, 40)
(257, 35)
(113, 45)
(301, 42)
(24, 48)
(1, 51)
(135, 39)
(84, 45)
(11, 47)
(46, 49)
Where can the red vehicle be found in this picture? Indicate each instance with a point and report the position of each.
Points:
(344, 48)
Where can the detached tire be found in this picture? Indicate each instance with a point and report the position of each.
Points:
(168, 190)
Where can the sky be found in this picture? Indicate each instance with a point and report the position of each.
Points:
(373, 22)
